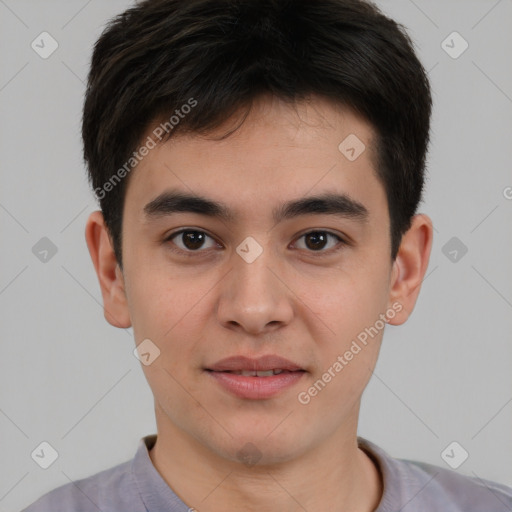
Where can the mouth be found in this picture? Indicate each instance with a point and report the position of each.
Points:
(255, 378)
(259, 366)
(256, 373)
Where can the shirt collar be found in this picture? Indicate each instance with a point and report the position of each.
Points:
(153, 489)
(389, 473)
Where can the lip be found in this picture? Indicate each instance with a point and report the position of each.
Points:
(263, 363)
(253, 387)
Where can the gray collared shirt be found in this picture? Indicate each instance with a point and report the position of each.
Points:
(409, 486)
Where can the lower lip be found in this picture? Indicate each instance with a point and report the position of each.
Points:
(256, 388)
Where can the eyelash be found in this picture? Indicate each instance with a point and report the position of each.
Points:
(191, 253)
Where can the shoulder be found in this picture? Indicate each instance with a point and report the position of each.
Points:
(442, 487)
(111, 489)
(412, 486)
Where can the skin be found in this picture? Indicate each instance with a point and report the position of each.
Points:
(290, 301)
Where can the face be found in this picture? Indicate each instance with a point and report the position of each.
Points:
(278, 280)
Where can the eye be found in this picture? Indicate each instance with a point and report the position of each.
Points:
(191, 240)
(317, 241)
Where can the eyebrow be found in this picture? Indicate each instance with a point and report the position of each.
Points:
(174, 201)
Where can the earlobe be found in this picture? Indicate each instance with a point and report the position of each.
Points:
(109, 274)
(410, 267)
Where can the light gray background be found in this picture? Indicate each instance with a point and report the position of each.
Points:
(69, 378)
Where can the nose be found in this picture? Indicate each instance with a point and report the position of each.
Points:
(254, 297)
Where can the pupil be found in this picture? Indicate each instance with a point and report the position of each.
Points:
(318, 240)
(193, 239)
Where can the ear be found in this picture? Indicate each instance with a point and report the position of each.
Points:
(109, 274)
(409, 268)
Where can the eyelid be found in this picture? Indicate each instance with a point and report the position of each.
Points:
(174, 234)
(342, 241)
(324, 230)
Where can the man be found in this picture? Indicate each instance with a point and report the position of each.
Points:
(259, 166)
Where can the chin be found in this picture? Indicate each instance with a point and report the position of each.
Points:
(257, 448)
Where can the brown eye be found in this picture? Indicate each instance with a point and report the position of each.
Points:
(315, 240)
(191, 240)
(319, 240)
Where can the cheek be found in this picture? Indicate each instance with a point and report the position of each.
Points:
(348, 301)
(171, 312)
(351, 306)
(160, 303)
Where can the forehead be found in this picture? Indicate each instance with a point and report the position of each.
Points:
(280, 149)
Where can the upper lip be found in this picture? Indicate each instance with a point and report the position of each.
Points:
(263, 363)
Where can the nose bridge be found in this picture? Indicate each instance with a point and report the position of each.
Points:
(251, 267)
(251, 275)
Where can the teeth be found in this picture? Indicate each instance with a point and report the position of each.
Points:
(267, 373)
(253, 373)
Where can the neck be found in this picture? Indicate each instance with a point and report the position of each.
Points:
(335, 475)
